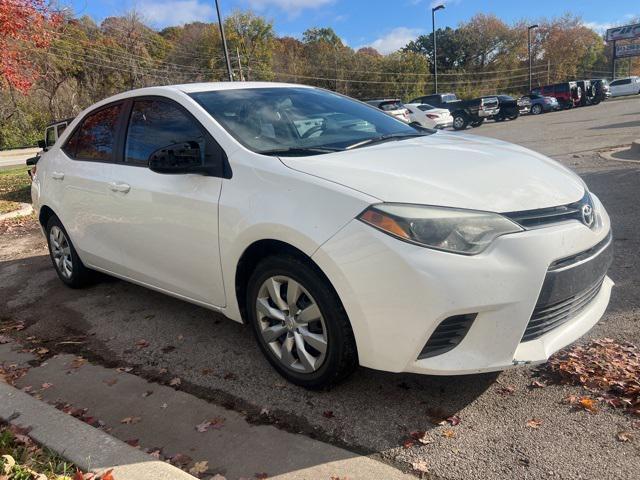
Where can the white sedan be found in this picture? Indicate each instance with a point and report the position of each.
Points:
(625, 86)
(339, 234)
(429, 116)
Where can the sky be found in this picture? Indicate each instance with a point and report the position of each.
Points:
(386, 25)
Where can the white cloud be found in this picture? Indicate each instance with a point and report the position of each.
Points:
(175, 12)
(395, 39)
(599, 27)
(291, 6)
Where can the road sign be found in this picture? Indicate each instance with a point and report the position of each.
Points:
(632, 50)
(623, 33)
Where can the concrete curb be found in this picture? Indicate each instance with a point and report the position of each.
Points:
(87, 447)
(25, 209)
(632, 150)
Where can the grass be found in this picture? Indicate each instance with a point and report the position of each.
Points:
(15, 188)
(22, 459)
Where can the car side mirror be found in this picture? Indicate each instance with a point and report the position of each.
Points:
(42, 144)
(178, 158)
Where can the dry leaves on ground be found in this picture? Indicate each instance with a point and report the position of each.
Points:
(130, 420)
(624, 436)
(175, 382)
(604, 367)
(534, 423)
(215, 424)
(199, 468)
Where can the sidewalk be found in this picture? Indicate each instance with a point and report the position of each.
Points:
(180, 426)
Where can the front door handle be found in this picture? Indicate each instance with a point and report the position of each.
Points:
(119, 187)
(57, 175)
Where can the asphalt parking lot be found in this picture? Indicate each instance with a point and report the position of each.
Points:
(372, 412)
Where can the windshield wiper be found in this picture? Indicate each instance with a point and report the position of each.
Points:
(299, 151)
(384, 138)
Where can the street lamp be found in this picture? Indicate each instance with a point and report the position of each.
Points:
(224, 44)
(435, 51)
(531, 27)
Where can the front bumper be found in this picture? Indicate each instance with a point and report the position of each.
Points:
(444, 124)
(396, 294)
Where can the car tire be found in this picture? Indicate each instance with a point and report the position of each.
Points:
(477, 123)
(312, 354)
(460, 121)
(64, 257)
(536, 109)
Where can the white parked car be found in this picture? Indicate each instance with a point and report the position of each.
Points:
(428, 116)
(393, 106)
(625, 86)
(341, 235)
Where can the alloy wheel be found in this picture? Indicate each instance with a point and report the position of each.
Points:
(61, 251)
(291, 324)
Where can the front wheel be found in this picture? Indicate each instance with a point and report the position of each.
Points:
(460, 121)
(299, 323)
(536, 109)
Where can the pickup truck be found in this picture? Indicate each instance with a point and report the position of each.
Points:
(51, 134)
(465, 112)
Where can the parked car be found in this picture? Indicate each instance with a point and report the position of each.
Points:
(524, 105)
(568, 94)
(541, 104)
(465, 112)
(392, 107)
(51, 134)
(601, 89)
(379, 245)
(508, 108)
(625, 86)
(429, 116)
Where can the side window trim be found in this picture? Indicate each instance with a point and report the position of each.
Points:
(117, 134)
(211, 142)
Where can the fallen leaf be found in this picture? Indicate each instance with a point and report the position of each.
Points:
(140, 344)
(328, 414)
(199, 468)
(43, 351)
(111, 381)
(181, 459)
(108, 475)
(453, 420)
(124, 369)
(408, 443)
(45, 386)
(448, 433)
(130, 420)
(5, 339)
(508, 390)
(175, 382)
(78, 475)
(134, 442)
(534, 423)
(420, 436)
(537, 384)
(624, 436)
(147, 393)
(570, 400)
(589, 404)
(420, 466)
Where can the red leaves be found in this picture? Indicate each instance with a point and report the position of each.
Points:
(605, 367)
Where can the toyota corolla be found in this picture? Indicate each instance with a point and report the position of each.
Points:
(340, 234)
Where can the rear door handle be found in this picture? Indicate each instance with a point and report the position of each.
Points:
(119, 187)
(57, 175)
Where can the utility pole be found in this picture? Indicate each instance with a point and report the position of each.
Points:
(240, 65)
(613, 61)
(435, 50)
(531, 27)
(224, 43)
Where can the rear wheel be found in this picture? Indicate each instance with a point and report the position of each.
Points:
(64, 257)
(536, 109)
(299, 323)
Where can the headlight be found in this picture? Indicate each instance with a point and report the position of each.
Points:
(468, 232)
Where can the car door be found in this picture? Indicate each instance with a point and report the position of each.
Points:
(168, 229)
(79, 172)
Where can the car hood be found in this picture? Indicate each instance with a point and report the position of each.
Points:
(452, 170)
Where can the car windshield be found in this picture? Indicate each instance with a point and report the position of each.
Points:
(299, 121)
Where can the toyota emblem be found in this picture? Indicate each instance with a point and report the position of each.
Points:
(587, 215)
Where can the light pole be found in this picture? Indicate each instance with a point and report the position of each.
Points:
(224, 44)
(435, 51)
(531, 27)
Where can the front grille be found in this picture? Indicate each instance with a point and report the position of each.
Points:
(447, 335)
(546, 216)
(545, 319)
(569, 287)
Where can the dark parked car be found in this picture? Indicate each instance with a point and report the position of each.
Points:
(541, 104)
(465, 112)
(601, 89)
(508, 108)
(568, 94)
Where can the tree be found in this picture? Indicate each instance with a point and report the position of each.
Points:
(252, 36)
(25, 26)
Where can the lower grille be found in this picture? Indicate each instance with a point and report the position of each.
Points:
(447, 335)
(545, 319)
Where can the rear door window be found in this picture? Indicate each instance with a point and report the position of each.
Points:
(96, 137)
